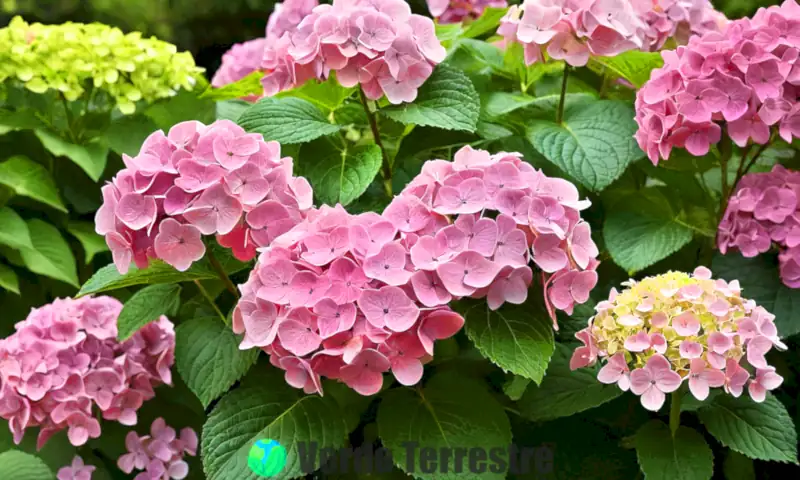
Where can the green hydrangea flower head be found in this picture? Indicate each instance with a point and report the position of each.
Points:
(74, 57)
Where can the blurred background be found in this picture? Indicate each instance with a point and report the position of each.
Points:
(207, 28)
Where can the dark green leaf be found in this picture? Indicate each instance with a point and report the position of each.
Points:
(50, 255)
(231, 109)
(8, 279)
(16, 465)
(13, 230)
(686, 456)
(91, 157)
(126, 134)
(29, 179)
(92, 242)
(146, 306)
(286, 120)
(340, 176)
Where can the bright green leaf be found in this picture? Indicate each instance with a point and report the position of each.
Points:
(565, 392)
(29, 179)
(487, 22)
(208, 357)
(244, 87)
(267, 408)
(447, 33)
(146, 306)
(760, 280)
(341, 176)
(231, 109)
(517, 338)
(594, 144)
(92, 242)
(8, 279)
(328, 95)
(497, 104)
(13, 230)
(450, 411)
(16, 465)
(764, 431)
(661, 456)
(446, 100)
(91, 158)
(126, 134)
(633, 65)
(50, 255)
(286, 120)
(642, 229)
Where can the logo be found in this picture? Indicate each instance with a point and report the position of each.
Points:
(266, 458)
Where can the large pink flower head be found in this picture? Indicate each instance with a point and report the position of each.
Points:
(574, 30)
(338, 297)
(765, 209)
(479, 221)
(378, 44)
(674, 328)
(159, 456)
(199, 180)
(240, 61)
(64, 363)
(743, 79)
(454, 11)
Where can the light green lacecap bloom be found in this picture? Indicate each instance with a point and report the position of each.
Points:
(73, 57)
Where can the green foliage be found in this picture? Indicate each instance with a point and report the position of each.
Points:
(662, 456)
(29, 179)
(286, 120)
(340, 175)
(23, 466)
(9, 279)
(634, 66)
(91, 242)
(244, 87)
(91, 158)
(146, 306)
(50, 255)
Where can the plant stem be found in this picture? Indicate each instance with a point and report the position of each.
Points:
(376, 134)
(726, 150)
(561, 101)
(675, 411)
(221, 273)
(211, 301)
(70, 119)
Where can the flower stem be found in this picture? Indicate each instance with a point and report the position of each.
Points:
(221, 273)
(675, 411)
(376, 134)
(726, 150)
(210, 301)
(561, 101)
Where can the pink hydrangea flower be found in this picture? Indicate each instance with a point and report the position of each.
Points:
(742, 80)
(454, 11)
(377, 44)
(64, 364)
(713, 333)
(336, 297)
(76, 471)
(574, 30)
(199, 180)
(471, 253)
(763, 211)
(159, 455)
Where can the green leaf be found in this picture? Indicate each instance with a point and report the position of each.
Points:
(642, 229)
(328, 95)
(262, 409)
(594, 144)
(633, 65)
(497, 104)
(29, 179)
(738, 467)
(515, 387)
(50, 255)
(147, 305)
(686, 456)
(92, 242)
(91, 158)
(208, 357)
(244, 87)
(126, 134)
(487, 22)
(13, 230)
(158, 272)
(341, 176)
(19, 120)
(286, 120)
(18, 465)
(8, 279)
(764, 431)
(760, 281)
(231, 109)
(446, 100)
(447, 33)
(186, 105)
(517, 338)
(450, 411)
(565, 392)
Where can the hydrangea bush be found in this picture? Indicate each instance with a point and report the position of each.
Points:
(462, 231)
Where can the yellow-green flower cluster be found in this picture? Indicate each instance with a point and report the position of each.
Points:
(74, 57)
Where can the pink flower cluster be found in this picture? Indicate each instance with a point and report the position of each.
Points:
(745, 78)
(463, 252)
(573, 30)
(77, 470)
(454, 11)
(378, 44)
(160, 454)
(675, 328)
(199, 180)
(64, 359)
(337, 297)
(764, 210)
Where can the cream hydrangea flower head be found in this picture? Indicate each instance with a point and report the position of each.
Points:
(72, 57)
(676, 327)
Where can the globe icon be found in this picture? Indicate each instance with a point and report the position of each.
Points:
(266, 458)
